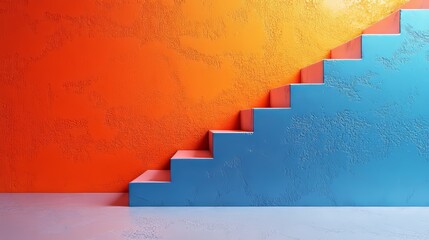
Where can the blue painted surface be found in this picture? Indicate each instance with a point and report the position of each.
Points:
(359, 139)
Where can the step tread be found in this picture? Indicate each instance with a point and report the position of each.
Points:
(188, 154)
(416, 4)
(229, 131)
(153, 176)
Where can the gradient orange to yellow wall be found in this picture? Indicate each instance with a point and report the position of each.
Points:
(94, 92)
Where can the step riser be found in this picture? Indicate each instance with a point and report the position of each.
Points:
(389, 25)
(349, 50)
(183, 170)
(312, 73)
(246, 120)
(280, 97)
(211, 148)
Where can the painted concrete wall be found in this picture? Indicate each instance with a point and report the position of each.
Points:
(92, 93)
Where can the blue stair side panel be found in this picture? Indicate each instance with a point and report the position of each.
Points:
(359, 139)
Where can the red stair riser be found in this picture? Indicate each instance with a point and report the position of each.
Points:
(349, 50)
(246, 120)
(312, 73)
(389, 25)
(416, 4)
(280, 97)
(211, 141)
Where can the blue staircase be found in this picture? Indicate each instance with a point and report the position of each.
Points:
(360, 138)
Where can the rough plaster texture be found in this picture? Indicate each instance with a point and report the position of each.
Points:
(361, 138)
(94, 92)
(99, 217)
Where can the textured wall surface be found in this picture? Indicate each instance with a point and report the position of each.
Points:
(94, 92)
(361, 138)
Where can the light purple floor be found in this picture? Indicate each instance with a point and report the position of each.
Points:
(106, 216)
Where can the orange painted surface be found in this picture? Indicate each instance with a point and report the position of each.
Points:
(93, 93)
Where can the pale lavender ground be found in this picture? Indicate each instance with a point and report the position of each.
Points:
(105, 216)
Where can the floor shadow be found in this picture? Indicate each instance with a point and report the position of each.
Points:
(120, 201)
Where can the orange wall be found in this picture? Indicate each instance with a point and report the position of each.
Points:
(93, 92)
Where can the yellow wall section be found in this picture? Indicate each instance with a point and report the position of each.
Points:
(93, 93)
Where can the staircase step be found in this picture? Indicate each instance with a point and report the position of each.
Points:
(303, 95)
(246, 120)
(153, 176)
(350, 50)
(265, 118)
(186, 162)
(223, 132)
(389, 25)
(191, 154)
(280, 97)
(416, 4)
(371, 47)
(312, 73)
